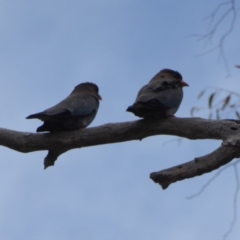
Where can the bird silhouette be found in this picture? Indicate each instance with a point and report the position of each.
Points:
(76, 111)
(161, 97)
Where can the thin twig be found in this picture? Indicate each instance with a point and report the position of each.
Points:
(210, 34)
(235, 199)
(211, 180)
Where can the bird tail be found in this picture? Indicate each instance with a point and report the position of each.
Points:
(36, 115)
(43, 128)
(147, 110)
(131, 109)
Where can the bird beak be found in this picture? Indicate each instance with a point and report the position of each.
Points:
(99, 97)
(184, 84)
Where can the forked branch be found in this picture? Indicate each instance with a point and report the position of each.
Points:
(192, 128)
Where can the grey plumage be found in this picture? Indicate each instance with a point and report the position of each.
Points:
(75, 112)
(161, 97)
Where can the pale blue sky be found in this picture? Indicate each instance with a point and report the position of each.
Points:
(104, 192)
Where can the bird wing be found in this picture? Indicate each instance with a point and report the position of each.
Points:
(76, 105)
(169, 97)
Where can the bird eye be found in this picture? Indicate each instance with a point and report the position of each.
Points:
(162, 76)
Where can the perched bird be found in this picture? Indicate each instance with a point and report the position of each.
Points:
(161, 97)
(75, 112)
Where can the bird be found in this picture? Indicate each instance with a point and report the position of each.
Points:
(75, 112)
(161, 97)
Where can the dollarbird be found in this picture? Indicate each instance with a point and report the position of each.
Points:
(161, 97)
(75, 112)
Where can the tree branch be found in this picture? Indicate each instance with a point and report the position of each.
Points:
(196, 167)
(191, 128)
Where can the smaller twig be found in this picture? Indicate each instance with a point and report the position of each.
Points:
(213, 29)
(51, 157)
(178, 140)
(224, 90)
(213, 14)
(220, 107)
(235, 200)
(209, 182)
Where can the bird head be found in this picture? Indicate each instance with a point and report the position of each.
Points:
(87, 87)
(168, 76)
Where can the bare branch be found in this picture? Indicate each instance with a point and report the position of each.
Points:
(196, 167)
(51, 157)
(214, 24)
(192, 128)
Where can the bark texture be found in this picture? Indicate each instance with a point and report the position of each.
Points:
(192, 128)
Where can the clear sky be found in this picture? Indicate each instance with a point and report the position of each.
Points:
(102, 193)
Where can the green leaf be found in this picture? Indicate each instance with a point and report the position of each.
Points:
(201, 93)
(210, 100)
(226, 102)
(193, 110)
